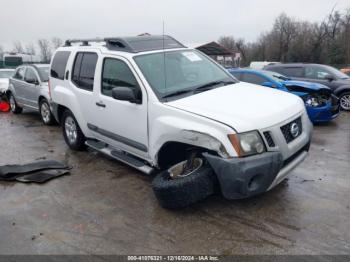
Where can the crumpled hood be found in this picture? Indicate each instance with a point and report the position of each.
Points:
(242, 106)
(301, 86)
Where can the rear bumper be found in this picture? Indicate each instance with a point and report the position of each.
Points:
(249, 176)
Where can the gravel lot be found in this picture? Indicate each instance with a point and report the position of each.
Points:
(105, 207)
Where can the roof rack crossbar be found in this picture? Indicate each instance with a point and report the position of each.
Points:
(131, 44)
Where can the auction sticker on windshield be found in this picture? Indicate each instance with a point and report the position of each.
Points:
(192, 56)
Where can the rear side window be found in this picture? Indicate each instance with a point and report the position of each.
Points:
(59, 64)
(116, 74)
(84, 70)
(293, 71)
(253, 79)
(19, 73)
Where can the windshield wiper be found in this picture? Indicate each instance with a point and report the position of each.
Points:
(213, 84)
(176, 93)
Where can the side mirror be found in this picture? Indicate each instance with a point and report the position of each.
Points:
(330, 78)
(125, 94)
(269, 84)
(32, 81)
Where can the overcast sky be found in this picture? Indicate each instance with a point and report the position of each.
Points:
(190, 21)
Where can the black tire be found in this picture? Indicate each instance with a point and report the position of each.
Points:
(184, 191)
(344, 100)
(45, 113)
(77, 141)
(13, 105)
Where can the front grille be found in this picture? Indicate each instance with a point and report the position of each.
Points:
(287, 133)
(269, 139)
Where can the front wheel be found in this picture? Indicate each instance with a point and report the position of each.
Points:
(176, 188)
(13, 105)
(72, 133)
(344, 101)
(45, 113)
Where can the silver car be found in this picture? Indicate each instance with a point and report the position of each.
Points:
(29, 88)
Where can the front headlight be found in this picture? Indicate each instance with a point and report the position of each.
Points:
(247, 144)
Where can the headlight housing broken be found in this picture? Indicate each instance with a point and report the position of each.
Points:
(247, 144)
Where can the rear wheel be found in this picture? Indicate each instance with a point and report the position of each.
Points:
(13, 105)
(72, 133)
(344, 101)
(45, 113)
(185, 184)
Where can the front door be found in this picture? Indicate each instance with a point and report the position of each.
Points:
(122, 124)
(31, 88)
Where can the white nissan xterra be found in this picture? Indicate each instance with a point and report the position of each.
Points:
(154, 104)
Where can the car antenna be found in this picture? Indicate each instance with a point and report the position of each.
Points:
(164, 62)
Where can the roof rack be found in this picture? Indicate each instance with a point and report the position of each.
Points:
(134, 44)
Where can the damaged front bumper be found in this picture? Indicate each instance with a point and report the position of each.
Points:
(249, 176)
(325, 113)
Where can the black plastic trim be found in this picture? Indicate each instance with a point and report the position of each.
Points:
(118, 138)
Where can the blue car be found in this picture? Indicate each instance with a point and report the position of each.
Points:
(321, 104)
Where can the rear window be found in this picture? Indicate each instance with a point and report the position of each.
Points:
(59, 64)
(84, 70)
(293, 71)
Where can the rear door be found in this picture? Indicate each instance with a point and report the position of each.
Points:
(294, 72)
(82, 83)
(17, 82)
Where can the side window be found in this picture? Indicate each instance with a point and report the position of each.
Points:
(84, 70)
(315, 72)
(116, 73)
(293, 71)
(30, 76)
(253, 79)
(59, 64)
(19, 73)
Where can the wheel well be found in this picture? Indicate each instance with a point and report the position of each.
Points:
(174, 152)
(60, 111)
(41, 98)
(342, 91)
(8, 92)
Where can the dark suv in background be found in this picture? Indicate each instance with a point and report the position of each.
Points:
(323, 74)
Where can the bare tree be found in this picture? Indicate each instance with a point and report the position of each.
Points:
(45, 50)
(227, 42)
(30, 49)
(18, 47)
(1, 51)
(56, 42)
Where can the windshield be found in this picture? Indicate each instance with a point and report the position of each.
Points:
(6, 74)
(276, 76)
(177, 71)
(44, 73)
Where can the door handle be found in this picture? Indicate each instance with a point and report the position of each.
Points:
(100, 104)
